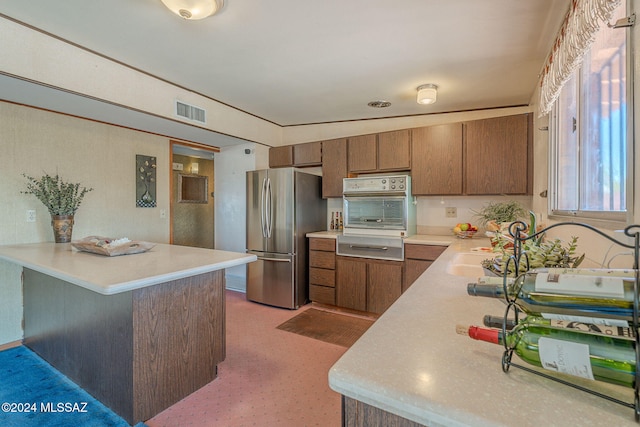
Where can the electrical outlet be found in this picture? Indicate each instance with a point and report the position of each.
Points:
(31, 215)
(451, 212)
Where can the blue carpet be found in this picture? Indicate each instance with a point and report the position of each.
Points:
(34, 394)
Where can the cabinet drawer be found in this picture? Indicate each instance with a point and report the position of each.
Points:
(426, 252)
(319, 244)
(322, 294)
(322, 276)
(322, 259)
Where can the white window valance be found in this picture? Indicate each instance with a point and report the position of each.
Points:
(574, 39)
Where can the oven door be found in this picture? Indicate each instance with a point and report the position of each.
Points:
(378, 212)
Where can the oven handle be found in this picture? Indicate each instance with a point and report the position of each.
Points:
(375, 248)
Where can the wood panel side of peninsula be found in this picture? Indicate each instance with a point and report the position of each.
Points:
(139, 351)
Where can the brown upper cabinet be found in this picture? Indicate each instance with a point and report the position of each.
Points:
(298, 155)
(436, 158)
(388, 151)
(308, 154)
(280, 157)
(363, 153)
(334, 167)
(498, 155)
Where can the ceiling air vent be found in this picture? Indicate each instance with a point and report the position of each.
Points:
(190, 112)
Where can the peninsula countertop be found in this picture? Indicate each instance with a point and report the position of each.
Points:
(412, 363)
(111, 275)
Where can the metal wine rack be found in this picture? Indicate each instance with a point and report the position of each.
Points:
(516, 230)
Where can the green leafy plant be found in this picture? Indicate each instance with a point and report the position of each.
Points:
(550, 254)
(60, 197)
(500, 212)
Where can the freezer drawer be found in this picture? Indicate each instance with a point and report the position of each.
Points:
(270, 280)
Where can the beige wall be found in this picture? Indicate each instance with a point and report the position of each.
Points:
(96, 155)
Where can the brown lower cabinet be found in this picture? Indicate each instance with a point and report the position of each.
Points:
(417, 258)
(364, 284)
(367, 284)
(358, 414)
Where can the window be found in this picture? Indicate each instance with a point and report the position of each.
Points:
(590, 148)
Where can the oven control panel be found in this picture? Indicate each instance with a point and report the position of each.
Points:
(376, 184)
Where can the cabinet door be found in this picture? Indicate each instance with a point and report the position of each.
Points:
(413, 268)
(281, 156)
(437, 160)
(308, 154)
(394, 151)
(363, 153)
(384, 285)
(497, 155)
(351, 283)
(334, 167)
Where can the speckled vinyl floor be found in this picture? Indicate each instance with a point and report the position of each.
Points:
(269, 378)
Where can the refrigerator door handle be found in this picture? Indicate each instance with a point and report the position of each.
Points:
(263, 194)
(268, 218)
(273, 259)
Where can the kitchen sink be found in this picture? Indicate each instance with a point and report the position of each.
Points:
(467, 264)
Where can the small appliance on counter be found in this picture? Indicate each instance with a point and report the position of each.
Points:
(378, 213)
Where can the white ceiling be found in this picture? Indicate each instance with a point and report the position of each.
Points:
(298, 62)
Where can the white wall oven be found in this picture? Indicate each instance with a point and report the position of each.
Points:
(378, 213)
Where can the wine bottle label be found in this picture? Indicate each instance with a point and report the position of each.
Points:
(606, 323)
(605, 272)
(615, 331)
(565, 357)
(578, 284)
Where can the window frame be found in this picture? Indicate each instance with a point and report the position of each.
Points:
(606, 219)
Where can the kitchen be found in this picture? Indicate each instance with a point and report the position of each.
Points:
(35, 138)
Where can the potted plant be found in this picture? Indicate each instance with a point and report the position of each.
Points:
(540, 254)
(61, 198)
(493, 214)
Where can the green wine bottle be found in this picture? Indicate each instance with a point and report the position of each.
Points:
(595, 357)
(575, 326)
(590, 294)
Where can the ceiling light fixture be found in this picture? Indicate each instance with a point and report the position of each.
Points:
(194, 9)
(427, 94)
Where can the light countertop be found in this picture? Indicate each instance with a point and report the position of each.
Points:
(112, 275)
(412, 363)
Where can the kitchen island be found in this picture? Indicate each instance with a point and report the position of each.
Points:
(138, 332)
(412, 369)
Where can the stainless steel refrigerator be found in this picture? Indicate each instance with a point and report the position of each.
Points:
(283, 205)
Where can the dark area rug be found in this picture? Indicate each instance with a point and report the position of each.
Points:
(34, 394)
(340, 329)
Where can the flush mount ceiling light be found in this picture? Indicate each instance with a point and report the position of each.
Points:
(194, 9)
(427, 94)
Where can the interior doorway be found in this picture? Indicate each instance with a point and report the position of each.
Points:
(192, 205)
